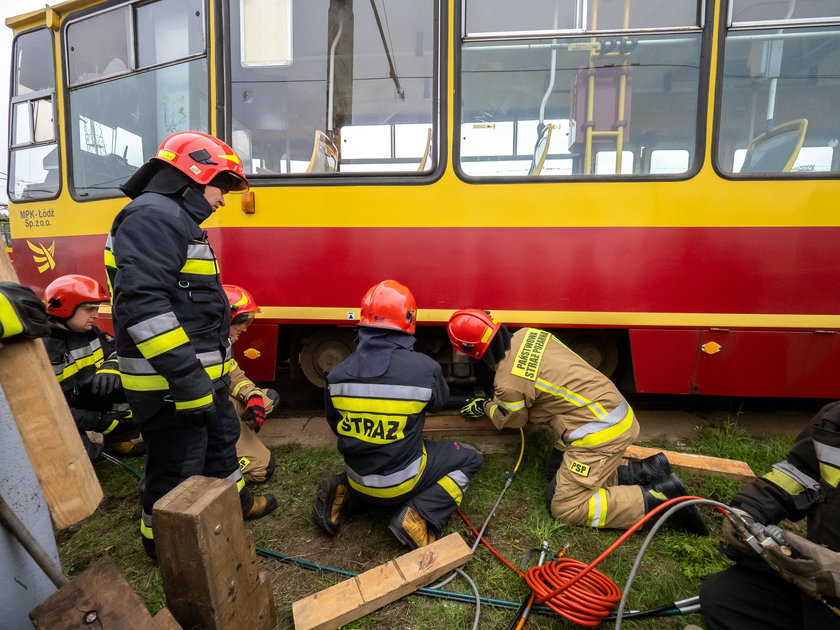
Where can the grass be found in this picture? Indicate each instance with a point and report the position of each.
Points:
(673, 568)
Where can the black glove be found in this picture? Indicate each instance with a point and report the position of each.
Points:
(474, 408)
(812, 567)
(110, 420)
(21, 313)
(107, 379)
(254, 414)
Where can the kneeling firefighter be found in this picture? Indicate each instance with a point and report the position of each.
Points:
(376, 402)
(538, 379)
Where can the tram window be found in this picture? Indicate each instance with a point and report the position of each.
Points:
(495, 16)
(765, 74)
(362, 74)
(749, 11)
(33, 159)
(168, 30)
(669, 161)
(508, 87)
(99, 46)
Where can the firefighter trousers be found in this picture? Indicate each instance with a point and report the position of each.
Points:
(438, 492)
(587, 490)
(256, 463)
(176, 451)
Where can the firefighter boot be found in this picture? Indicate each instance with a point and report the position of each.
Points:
(645, 472)
(553, 463)
(330, 501)
(687, 518)
(411, 529)
(263, 504)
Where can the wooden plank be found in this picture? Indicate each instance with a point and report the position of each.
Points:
(697, 464)
(353, 598)
(207, 559)
(99, 597)
(165, 621)
(46, 427)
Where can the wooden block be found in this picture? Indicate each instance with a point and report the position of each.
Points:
(46, 427)
(100, 597)
(165, 621)
(207, 560)
(697, 464)
(348, 600)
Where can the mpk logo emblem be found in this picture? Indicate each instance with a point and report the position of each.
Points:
(43, 256)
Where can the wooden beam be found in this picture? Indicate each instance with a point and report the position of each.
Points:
(46, 427)
(697, 464)
(346, 601)
(207, 559)
(99, 597)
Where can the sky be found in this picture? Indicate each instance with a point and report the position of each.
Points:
(8, 9)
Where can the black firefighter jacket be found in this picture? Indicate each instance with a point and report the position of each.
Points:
(171, 315)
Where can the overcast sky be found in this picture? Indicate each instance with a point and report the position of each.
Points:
(9, 8)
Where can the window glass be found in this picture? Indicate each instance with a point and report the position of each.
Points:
(268, 24)
(22, 132)
(116, 125)
(525, 104)
(496, 16)
(33, 63)
(626, 14)
(354, 94)
(766, 126)
(33, 173)
(767, 10)
(99, 46)
(168, 30)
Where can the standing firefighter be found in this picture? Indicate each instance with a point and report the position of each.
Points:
(792, 588)
(172, 318)
(538, 379)
(85, 365)
(376, 402)
(251, 403)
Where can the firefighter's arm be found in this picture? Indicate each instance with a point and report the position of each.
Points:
(333, 417)
(440, 390)
(507, 409)
(150, 249)
(21, 313)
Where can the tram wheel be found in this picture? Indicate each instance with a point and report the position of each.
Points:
(598, 348)
(323, 350)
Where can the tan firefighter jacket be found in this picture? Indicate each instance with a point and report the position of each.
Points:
(241, 388)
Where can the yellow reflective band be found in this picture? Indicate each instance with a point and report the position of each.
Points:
(510, 406)
(393, 491)
(163, 154)
(378, 405)
(114, 425)
(785, 482)
(243, 299)
(144, 382)
(240, 483)
(486, 335)
(9, 318)
(107, 371)
(200, 267)
(830, 474)
(163, 343)
(110, 261)
(656, 494)
(84, 362)
(597, 515)
(146, 531)
(605, 435)
(244, 462)
(372, 428)
(231, 158)
(530, 353)
(452, 489)
(194, 404)
(235, 391)
(219, 370)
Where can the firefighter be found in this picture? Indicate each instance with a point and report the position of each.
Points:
(538, 379)
(22, 315)
(376, 401)
(251, 403)
(85, 364)
(172, 319)
(800, 590)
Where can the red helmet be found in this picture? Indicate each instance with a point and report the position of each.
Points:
(389, 304)
(241, 303)
(64, 295)
(471, 331)
(202, 158)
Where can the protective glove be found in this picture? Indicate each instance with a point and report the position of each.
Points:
(107, 379)
(110, 420)
(474, 408)
(733, 539)
(254, 414)
(812, 567)
(21, 313)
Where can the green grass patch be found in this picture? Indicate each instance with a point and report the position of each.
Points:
(673, 568)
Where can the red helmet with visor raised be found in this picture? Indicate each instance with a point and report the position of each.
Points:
(204, 159)
(471, 331)
(243, 308)
(64, 294)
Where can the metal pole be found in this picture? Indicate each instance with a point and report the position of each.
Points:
(11, 522)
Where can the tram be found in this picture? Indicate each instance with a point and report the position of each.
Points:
(655, 182)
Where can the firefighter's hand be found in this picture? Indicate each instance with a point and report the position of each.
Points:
(21, 313)
(812, 567)
(254, 414)
(107, 379)
(734, 537)
(474, 408)
(110, 420)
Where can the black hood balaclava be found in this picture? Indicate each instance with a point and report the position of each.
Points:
(499, 345)
(374, 349)
(159, 177)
